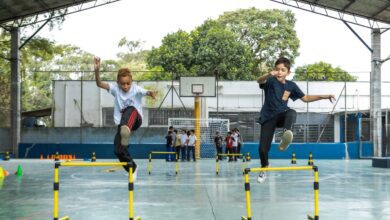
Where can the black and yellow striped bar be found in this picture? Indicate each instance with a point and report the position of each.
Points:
(217, 162)
(162, 152)
(216, 165)
(94, 164)
(56, 188)
(268, 169)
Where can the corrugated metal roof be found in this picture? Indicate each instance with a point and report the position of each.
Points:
(377, 10)
(26, 12)
(11, 10)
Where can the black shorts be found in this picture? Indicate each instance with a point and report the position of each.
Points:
(131, 118)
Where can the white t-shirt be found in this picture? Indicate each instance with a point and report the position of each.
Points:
(125, 99)
(235, 139)
(191, 140)
(183, 139)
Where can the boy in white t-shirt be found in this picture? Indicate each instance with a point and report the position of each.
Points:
(191, 145)
(183, 143)
(127, 110)
(235, 143)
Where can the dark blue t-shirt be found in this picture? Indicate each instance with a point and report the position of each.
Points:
(276, 97)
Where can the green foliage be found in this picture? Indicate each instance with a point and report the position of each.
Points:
(322, 71)
(135, 58)
(268, 33)
(236, 46)
(41, 62)
(175, 55)
(217, 50)
(207, 50)
(233, 47)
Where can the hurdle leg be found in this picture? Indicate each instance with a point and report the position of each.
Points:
(56, 188)
(316, 193)
(150, 164)
(216, 165)
(247, 196)
(177, 164)
(131, 194)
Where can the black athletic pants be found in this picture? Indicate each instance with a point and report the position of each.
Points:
(283, 120)
(219, 151)
(133, 120)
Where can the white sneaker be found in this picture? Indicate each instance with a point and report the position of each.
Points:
(262, 177)
(287, 138)
(125, 134)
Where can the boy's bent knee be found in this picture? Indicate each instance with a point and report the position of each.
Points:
(125, 131)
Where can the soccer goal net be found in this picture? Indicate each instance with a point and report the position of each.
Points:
(208, 128)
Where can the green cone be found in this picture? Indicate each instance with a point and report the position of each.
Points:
(19, 172)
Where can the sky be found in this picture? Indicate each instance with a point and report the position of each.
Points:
(99, 30)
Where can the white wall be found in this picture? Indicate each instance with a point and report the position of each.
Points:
(243, 96)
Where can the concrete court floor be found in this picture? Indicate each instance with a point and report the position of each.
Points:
(348, 190)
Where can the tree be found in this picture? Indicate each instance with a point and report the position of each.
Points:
(134, 57)
(269, 34)
(322, 71)
(217, 50)
(207, 50)
(175, 55)
(237, 45)
(34, 94)
(34, 91)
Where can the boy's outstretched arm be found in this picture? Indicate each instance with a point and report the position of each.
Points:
(313, 98)
(96, 66)
(263, 79)
(151, 94)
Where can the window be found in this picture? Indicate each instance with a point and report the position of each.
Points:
(108, 117)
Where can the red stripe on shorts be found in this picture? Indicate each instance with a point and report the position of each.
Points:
(132, 118)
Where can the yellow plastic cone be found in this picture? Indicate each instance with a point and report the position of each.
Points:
(1, 173)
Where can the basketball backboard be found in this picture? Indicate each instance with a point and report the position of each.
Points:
(191, 86)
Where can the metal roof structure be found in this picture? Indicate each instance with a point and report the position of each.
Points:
(19, 13)
(366, 13)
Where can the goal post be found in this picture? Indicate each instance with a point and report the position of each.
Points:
(208, 128)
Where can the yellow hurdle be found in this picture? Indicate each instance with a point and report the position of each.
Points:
(217, 160)
(94, 164)
(162, 152)
(268, 169)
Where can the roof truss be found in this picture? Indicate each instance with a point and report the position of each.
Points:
(366, 13)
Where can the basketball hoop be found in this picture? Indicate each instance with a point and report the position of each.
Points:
(197, 89)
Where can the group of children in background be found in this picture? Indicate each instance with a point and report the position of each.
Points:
(233, 142)
(183, 144)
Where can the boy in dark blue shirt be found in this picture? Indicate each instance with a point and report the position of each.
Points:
(275, 112)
